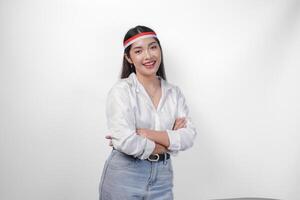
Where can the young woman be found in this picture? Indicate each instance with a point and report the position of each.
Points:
(148, 120)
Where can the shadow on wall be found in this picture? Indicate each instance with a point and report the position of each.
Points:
(247, 198)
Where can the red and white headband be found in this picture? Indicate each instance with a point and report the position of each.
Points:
(134, 38)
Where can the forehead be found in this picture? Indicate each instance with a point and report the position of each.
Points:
(143, 42)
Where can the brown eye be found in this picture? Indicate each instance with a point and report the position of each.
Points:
(154, 47)
(138, 52)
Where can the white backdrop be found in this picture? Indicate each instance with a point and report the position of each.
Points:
(237, 63)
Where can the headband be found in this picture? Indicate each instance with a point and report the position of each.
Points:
(134, 38)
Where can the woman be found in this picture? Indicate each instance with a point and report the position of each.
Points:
(148, 121)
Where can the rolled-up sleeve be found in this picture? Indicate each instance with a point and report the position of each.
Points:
(121, 124)
(183, 138)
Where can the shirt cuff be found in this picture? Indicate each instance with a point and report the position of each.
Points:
(174, 139)
(149, 148)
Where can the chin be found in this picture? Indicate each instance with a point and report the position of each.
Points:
(148, 72)
(151, 71)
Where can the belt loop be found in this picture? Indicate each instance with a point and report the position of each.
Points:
(165, 158)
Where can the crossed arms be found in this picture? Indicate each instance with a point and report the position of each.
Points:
(160, 138)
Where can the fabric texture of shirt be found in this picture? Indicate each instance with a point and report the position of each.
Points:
(129, 107)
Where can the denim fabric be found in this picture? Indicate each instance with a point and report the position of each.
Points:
(127, 178)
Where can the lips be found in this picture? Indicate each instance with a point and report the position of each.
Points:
(149, 65)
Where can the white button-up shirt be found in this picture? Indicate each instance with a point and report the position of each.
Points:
(129, 108)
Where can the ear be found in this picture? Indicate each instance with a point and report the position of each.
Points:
(128, 59)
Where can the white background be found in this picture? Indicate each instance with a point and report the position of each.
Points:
(237, 63)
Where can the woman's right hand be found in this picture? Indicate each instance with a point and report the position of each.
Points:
(159, 149)
(179, 123)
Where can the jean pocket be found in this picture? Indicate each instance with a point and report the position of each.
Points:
(122, 161)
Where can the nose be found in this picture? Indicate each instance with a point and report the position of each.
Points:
(147, 54)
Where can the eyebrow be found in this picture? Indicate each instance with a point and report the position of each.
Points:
(138, 47)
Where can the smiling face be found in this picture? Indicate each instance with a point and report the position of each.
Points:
(145, 55)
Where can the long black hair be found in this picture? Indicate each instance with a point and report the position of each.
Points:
(126, 68)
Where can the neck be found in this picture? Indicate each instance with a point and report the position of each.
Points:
(148, 81)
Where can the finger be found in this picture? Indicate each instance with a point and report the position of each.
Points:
(181, 124)
(181, 120)
(175, 126)
(177, 122)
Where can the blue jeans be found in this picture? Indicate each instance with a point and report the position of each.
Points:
(127, 178)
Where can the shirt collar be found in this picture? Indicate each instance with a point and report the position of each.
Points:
(138, 86)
